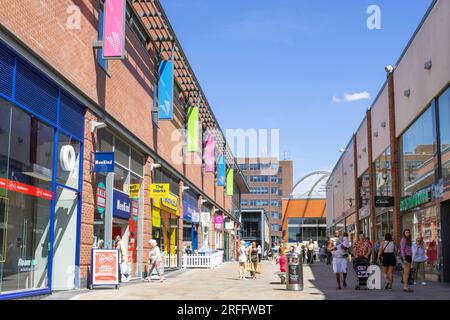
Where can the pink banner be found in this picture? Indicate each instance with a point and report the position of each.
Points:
(114, 29)
(209, 153)
(218, 221)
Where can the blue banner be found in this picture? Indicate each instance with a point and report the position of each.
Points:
(104, 162)
(165, 97)
(221, 171)
(121, 205)
(190, 208)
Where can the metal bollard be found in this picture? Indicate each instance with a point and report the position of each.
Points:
(294, 272)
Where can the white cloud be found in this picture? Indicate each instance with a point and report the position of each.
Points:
(336, 99)
(350, 97)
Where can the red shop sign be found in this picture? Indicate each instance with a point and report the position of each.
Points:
(25, 189)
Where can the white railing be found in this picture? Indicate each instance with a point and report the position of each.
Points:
(209, 261)
(170, 260)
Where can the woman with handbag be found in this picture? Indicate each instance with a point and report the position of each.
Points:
(406, 254)
(419, 258)
(242, 261)
(387, 258)
(253, 260)
(154, 261)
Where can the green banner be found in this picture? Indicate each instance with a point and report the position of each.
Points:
(230, 182)
(193, 123)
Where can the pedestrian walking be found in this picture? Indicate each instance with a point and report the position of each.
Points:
(329, 251)
(406, 254)
(242, 261)
(388, 260)
(418, 260)
(376, 248)
(340, 258)
(123, 259)
(322, 252)
(282, 262)
(432, 255)
(154, 261)
(259, 252)
(311, 251)
(253, 259)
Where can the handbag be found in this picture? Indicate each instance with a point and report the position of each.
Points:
(382, 252)
(249, 266)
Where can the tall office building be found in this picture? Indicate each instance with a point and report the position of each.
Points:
(270, 180)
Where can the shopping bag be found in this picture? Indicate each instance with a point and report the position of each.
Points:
(249, 266)
(259, 268)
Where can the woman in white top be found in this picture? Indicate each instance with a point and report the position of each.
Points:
(242, 261)
(154, 260)
(386, 254)
(125, 275)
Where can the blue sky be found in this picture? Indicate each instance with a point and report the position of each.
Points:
(290, 64)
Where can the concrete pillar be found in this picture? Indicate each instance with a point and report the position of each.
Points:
(357, 188)
(371, 175)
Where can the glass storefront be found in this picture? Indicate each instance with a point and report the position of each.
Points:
(304, 229)
(384, 224)
(383, 180)
(425, 222)
(444, 116)
(128, 170)
(31, 184)
(417, 151)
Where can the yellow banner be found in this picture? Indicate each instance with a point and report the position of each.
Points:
(134, 191)
(158, 190)
(169, 204)
(156, 218)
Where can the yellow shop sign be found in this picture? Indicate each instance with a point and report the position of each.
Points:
(169, 204)
(158, 190)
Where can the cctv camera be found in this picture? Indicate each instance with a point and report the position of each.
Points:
(389, 68)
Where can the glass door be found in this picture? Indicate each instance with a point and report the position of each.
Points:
(65, 239)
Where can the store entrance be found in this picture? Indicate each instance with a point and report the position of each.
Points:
(445, 234)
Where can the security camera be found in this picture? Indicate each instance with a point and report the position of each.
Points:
(389, 69)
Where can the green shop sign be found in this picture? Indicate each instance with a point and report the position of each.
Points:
(415, 200)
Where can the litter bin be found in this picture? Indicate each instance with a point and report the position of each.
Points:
(294, 272)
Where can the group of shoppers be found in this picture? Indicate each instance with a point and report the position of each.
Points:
(413, 256)
(249, 260)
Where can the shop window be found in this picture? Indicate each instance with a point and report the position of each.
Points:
(418, 148)
(122, 153)
(105, 141)
(69, 161)
(444, 121)
(137, 163)
(120, 179)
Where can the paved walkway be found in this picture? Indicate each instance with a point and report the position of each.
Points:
(223, 284)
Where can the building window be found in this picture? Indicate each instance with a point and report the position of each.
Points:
(383, 174)
(444, 116)
(417, 150)
(275, 203)
(244, 203)
(101, 62)
(274, 190)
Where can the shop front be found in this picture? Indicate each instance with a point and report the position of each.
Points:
(364, 221)
(218, 231)
(166, 211)
(190, 219)
(121, 190)
(41, 140)
(421, 215)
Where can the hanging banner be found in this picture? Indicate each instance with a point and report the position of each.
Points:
(190, 207)
(134, 191)
(206, 216)
(193, 129)
(114, 29)
(101, 198)
(221, 171)
(121, 205)
(158, 190)
(230, 182)
(209, 153)
(165, 84)
(218, 222)
(104, 162)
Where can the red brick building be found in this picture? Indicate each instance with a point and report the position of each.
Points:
(55, 82)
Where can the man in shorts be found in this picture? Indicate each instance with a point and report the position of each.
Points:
(340, 258)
